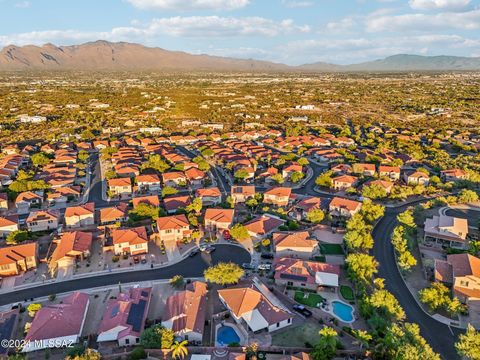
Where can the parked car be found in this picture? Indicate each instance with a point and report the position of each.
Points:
(264, 267)
(226, 235)
(302, 310)
(247, 266)
(266, 256)
(210, 249)
(136, 259)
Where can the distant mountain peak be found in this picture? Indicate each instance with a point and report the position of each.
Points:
(98, 55)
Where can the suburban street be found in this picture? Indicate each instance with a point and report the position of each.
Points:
(190, 267)
(438, 335)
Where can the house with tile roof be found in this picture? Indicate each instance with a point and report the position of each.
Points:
(80, 216)
(307, 204)
(173, 228)
(306, 274)
(114, 214)
(195, 176)
(148, 183)
(462, 272)
(344, 207)
(240, 194)
(392, 172)
(124, 318)
(416, 178)
(288, 170)
(121, 187)
(16, 259)
(278, 196)
(28, 199)
(176, 202)
(174, 178)
(344, 182)
(131, 241)
(364, 169)
(254, 306)
(218, 219)
(8, 224)
(446, 231)
(294, 244)
(209, 196)
(262, 226)
(453, 175)
(43, 220)
(58, 323)
(72, 246)
(151, 200)
(185, 312)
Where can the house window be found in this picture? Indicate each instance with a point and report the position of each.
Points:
(289, 320)
(5, 267)
(168, 231)
(138, 246)
(137, 340)
(127, 341)
(278, 325)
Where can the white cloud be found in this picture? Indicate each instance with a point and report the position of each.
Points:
(190, 27)
(297, 3)
(438, 4)
(363, 49)
(183, 5)
(469, 20)
(343, 25)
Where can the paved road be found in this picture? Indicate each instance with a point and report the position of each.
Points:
(437, 334)
(189, 267)
(472, 216)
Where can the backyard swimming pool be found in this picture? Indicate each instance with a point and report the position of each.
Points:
(227, 335)
(343, 311)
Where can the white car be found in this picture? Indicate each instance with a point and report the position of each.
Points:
(264, 267)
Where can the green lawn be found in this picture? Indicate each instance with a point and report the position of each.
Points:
(346, 292)
(297, 336)
(331, 249)
(312, 300)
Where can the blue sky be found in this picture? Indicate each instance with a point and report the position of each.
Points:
(287, 31)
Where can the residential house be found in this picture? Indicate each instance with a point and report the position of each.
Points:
(18, 258)
(344, 207)
(446, 231)
(114, 214)
(262, 226)
(364, 169)
(8, 224)
(174, 203)
(148, 183)
(384, 184)
(209, 196)
(173, 228)
(462, 271)
(344, 182)
(80, 216)
(256, 307)
(218, 219)
(28, 199)
(306, 274)
(195, 176)
(151, 200)
(3, 202)
(70, 247)
(453, 175)
(279, 196)
(124, 318)
(121, 187)
(392, 172)
(174, 178)
(61, 322)
(288, 170)
(294, 244)
(240, 194)
(416, 178)
(307, 204)
(132, 241)
(43, 220)
(185, 312)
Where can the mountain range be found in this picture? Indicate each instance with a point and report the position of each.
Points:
(119, 56)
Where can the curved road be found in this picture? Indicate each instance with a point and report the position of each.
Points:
(440, 336)
(189, 267)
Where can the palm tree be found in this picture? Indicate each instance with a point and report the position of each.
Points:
(179, 349)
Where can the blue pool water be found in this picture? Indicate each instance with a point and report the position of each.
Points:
(227, 335)
(343, 311)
